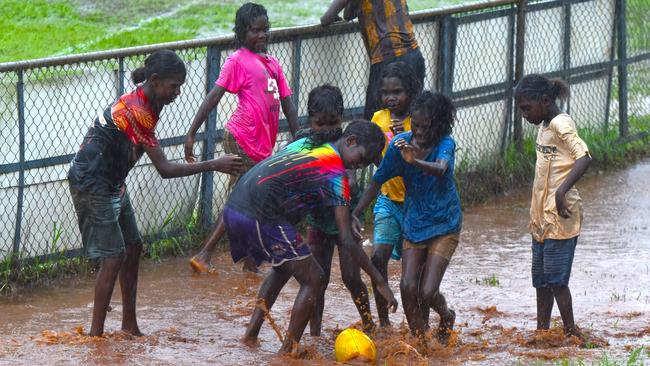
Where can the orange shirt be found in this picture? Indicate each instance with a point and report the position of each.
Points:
(387, 30)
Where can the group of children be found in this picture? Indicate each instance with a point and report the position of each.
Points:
(417, 212)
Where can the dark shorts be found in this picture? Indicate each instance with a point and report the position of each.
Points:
(264, 242)
(552, 262)
(231, 146)
(373, 103)
(318, 237)
(107, 223)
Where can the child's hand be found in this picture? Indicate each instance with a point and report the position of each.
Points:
(407, 150)
(357, 228)
(386, 292)
(229, 163)
(189, 149)
(562, 205)
(397, 126)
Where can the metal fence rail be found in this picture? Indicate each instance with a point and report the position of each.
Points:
(474, 53)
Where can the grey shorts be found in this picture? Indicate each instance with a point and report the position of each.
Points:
(107, 223)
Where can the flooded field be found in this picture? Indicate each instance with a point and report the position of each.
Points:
(190, 319)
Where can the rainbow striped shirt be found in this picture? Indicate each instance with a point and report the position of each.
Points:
(287, 185)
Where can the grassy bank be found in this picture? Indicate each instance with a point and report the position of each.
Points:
(480, 180)
(42, 28)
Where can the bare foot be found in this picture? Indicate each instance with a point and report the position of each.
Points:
(249, 265)
(445, 327)
(133, 330)
(199, 265)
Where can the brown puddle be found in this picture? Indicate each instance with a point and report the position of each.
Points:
(192, 319)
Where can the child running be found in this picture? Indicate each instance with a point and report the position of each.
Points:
(267, 203)
(424, 158)
(113, 144)
(398, 86)
(325, 110)
(261, 87)
(556, 207)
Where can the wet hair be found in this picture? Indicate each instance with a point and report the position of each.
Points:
(244, 17)
(326, 99)
(164, 63)
(405, 73)
(439, 110)
(368, 135)
(535, 87)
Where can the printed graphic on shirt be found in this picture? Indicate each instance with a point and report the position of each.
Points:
(284, 187)
(548, 152)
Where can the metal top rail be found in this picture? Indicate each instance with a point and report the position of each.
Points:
(279, 34)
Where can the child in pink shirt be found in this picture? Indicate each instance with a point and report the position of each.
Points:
(261, 87)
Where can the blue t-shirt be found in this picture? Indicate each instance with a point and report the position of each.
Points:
(431, 204)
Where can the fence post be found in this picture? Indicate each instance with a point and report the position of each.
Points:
(207, 178)
(517, 130)
(120, 76)
(509, 104)
(566, 47)
(21, 173)
(622, 69)
(447, 54)
(295, 75)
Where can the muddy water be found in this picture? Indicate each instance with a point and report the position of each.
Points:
(193, 319)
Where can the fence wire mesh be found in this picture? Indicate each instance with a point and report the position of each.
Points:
(469, 53)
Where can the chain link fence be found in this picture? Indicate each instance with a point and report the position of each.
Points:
(473, 53)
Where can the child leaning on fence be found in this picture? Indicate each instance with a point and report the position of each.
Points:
(556, 207)
(424, 158)
(261, 87)
(117, 139)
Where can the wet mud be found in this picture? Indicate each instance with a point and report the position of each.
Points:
(200, 319)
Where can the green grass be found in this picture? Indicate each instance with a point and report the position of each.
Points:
(480, 179)
(42, 28)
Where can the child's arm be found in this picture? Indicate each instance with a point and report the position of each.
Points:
(575, 174)
(292, 115)
(351, 10)
(331, 14)
(342, 215)
(228, 163)
(211, 100)
(408, 151)
(366, 197)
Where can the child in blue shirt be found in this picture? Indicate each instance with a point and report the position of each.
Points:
(424, 158)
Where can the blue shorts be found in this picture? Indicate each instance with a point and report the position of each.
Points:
(388, 225)
(264, 242)
(552, 261)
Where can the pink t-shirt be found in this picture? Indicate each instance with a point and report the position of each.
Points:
(260, 84)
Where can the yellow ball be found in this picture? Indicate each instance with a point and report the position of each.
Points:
(353, 343)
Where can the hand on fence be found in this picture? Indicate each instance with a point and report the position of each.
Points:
(229, 163)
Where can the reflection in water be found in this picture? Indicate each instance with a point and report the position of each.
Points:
(192, 319)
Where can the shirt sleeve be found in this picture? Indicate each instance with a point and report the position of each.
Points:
(446, 149)
(566, 131)
(337, 192)
(391, 165)
(283, 85)
(232, 76)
